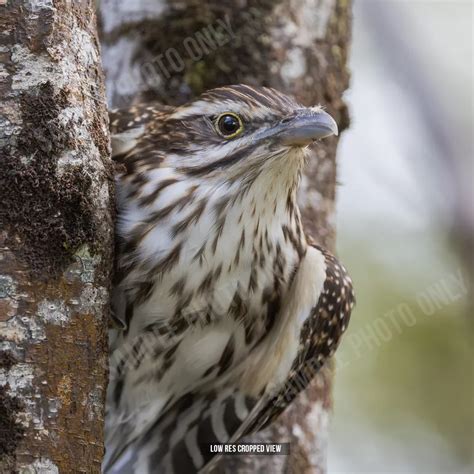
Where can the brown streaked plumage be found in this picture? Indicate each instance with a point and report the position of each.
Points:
(227, 308)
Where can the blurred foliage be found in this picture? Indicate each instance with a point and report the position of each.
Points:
(404, 402)
(420, 378)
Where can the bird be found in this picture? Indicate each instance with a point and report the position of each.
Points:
(224, 308)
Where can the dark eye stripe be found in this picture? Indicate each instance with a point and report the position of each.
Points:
(222, 163)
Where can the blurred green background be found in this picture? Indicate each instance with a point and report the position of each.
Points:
(404, 390)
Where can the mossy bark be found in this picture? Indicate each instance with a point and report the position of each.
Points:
(171, 51)
(56, 238)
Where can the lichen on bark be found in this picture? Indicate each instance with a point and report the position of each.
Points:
(56, 238)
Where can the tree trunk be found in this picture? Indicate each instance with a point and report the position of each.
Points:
(56, 238)
(172, 51)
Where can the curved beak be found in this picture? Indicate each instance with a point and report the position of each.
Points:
(307, 126)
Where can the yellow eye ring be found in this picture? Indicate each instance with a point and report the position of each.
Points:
(229, 125)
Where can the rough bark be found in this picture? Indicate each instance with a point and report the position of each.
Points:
(56, 238)
(155, 50)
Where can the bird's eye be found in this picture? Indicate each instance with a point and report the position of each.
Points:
(229, 125)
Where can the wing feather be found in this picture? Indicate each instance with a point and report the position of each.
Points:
(319, 337)
(129, 125)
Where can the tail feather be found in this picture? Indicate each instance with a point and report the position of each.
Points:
(178, 442)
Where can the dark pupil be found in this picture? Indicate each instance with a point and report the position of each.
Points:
(228, 124)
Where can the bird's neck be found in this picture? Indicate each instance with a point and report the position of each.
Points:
(266, 203)
(214, 225)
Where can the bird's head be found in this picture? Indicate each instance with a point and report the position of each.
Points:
(238, 131)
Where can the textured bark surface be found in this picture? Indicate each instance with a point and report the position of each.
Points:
(56, 238)
(172, 51)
